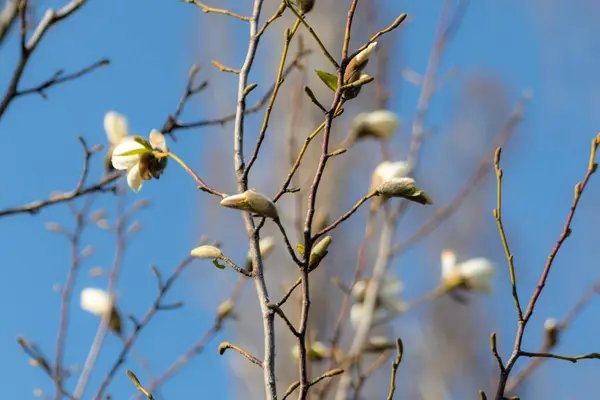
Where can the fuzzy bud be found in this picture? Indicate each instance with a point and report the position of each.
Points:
(206, 251)
(551, 332)
(403, 187)
(252, 201)
(319, 251)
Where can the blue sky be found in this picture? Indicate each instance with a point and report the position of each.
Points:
(152, 45)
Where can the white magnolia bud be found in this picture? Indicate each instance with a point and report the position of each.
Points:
(252, 201)
(403, 187)
(206, 251)
(97, 302)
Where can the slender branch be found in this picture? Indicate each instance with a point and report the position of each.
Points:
(284, 317)
(572, 359)
(278, 13)
(483, 168)
(29, 46)
(287, 38)
(498, 217)
(203, 186)
(226, 345)
(566, 232)
(208, 9)
(395, 365)
(287, 242)
(139, 386)
(140, 326)
(223, 68)
(296, 385)
(59, 78)
(234, 266)
(344, 217)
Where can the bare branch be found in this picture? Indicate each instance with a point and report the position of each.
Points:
(226, 345)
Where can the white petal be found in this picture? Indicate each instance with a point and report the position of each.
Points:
(448, 263)
(478, 273)
(366, 53)
(125, 162)
(134, 178)
(96, 301)
(157, 141)
(115, 126)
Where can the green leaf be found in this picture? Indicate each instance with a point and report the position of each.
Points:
(134, 152)
(218, 265)
(330, 80)
(142, 141)
(300, 248)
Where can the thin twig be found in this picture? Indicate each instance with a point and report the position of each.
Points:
(395, 365)
(226, 345)
(344, 217)
(208, 9)
(573, 359)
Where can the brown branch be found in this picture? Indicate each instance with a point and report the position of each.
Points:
(226, 345)
(284, 317)
(140, 326)
(28, 46)
(566, 232)
(395, 365)
(573, 359)
(208, 9)
(59, 78)
(223, 68)
(483, 168)
(344, 217)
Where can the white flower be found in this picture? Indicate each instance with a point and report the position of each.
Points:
(97, 302)
(474, 274)
(116, 127)
(136, 156)
(380, 124)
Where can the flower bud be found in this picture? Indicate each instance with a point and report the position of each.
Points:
(206, 251)
(317, 351)
(97, 302)
(225, 309)
(551, 332)
(358, 64)
(403, 187)
(378, 344)
(252, 201)
(305, 5)
(319, 251)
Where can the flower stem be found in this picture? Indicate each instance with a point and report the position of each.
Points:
(203, 186)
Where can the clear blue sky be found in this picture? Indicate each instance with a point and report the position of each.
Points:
(151, 45)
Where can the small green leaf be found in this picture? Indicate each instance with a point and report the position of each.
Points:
(134, 152)
(330, 80)
(218, 265)
(300, 248)
(142, 141)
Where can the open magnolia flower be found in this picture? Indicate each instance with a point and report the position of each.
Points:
(139, 158)
(101, 304)
(474, 274)
(116, 128)
(387, 303)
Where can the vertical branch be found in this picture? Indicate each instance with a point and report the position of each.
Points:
(268, 363)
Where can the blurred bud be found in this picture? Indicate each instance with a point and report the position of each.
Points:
(306, 5)
(103, 224)
(206, 251)
(252, 201)
(54, 227)
(316, 352)
(403, 187)
(319, 251)
(194, 70)
(57, 288)
(266, 246)
(378, 344)
(97, 272)
(133, 228)
(115, 321)
(379, 124)
(35, 362)
(224, 310)
(87, 251)
(97, 215)
(321, 220)
(97, 302)
(37, 392)
(551, 332)
(474, 274)
(139, 205)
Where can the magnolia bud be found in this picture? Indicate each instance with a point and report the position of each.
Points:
(551, 332)
(358, 64)
(206, 251)
(403, 187)
(319, 251)
(252, 201)
(225, 309)
(378, 344)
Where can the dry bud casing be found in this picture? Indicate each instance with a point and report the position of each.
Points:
(403, 187)
(252, 201)
(305, 5)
